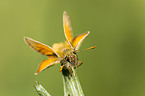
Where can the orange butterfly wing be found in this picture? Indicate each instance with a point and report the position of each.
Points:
(47, 63)
(42, 48)
(67, 29)
(76, 42)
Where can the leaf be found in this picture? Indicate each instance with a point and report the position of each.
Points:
(40, 90)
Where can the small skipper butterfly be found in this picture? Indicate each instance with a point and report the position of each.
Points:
(64, 53)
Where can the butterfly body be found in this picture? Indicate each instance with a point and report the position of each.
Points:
(64, 53)
(70, 59)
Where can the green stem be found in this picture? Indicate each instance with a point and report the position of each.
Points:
(72, 85)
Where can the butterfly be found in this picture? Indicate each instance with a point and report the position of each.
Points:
(64, 53)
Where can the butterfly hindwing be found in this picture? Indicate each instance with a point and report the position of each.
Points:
(47, 63)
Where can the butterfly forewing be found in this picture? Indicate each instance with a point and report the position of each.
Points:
(42, 48)
(76, 42)
(67, 29)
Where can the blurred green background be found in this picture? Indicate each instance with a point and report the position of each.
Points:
(115, 68)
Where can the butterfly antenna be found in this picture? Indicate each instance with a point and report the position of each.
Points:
(85, 49)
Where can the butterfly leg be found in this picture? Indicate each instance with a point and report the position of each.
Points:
(61, 68)
(68, 67)
(79, 63)
(71, 71)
